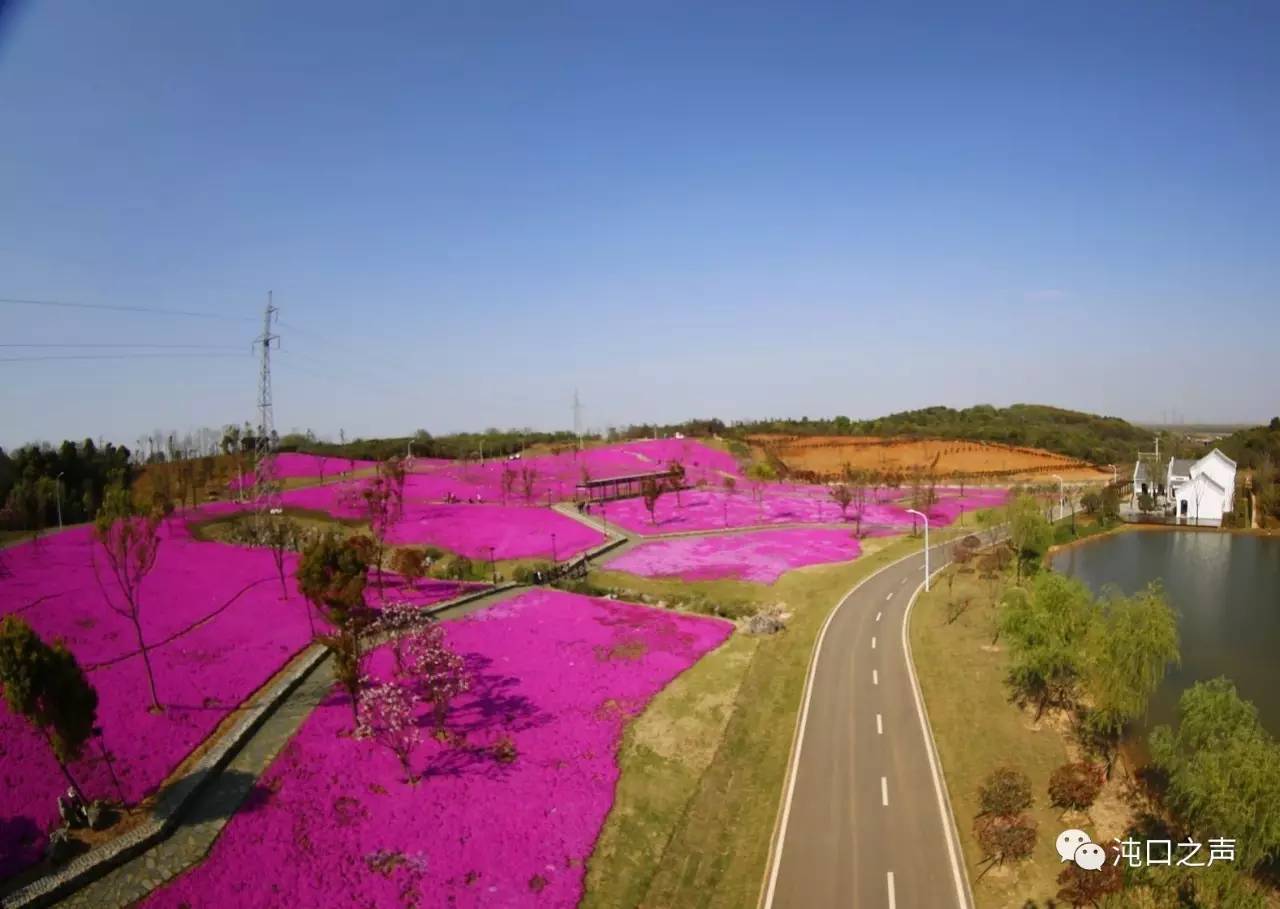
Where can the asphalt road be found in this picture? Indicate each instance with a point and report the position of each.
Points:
(864, 824)
(865, 819)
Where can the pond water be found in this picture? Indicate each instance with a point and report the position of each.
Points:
(1226, 590)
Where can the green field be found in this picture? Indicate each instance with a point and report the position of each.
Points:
(977, 729)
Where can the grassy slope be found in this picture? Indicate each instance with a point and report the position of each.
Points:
(703, 767)
(977, 730)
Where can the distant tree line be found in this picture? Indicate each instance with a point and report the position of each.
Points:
(1085, 436)
(30, 488)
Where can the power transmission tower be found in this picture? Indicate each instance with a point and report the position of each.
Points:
(577, 418)
(265, 491)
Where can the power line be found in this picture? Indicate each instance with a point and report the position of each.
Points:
(152, 310)
(129, 345)
(136, 356)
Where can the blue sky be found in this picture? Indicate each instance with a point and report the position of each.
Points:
(467, 210)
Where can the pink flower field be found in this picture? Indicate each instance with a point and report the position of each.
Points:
(761, 556)
(558, 475)
(218, 629)
(784, 503)
(514, 532)
(333, 820)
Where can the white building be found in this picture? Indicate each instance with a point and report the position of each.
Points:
(1201, 491)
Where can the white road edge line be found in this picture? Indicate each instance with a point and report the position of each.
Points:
(879, 724)
(875, 677)
(893, 899)
(884, 791)
(958, 872)
(797, 741)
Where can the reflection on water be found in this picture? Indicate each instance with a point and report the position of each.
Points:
(1226, 590)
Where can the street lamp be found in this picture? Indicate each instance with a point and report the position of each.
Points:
(924, 517)
(553, 548)
(57, 495)
(493, 566)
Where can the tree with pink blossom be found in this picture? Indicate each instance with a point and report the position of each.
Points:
(385, 715)
(440, 673)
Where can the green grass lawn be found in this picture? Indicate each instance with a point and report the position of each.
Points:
(703, 767)
(977, 729)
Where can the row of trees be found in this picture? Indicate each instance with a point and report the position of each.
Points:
(37, 480)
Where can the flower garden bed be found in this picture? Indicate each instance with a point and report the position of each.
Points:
(761, 556)
(557, 674)
(782, 503)
(218, 628)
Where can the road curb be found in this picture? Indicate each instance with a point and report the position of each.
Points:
(960, 871)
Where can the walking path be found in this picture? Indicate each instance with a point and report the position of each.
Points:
(204, 818)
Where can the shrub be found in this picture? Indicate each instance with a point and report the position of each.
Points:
(1005, 792)
(528, 574)
(505, 751)
(768, 620)
(1006, 838)
(1075, 786)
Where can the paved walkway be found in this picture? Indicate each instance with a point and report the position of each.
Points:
(204, 819)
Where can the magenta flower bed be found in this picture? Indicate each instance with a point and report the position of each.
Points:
(248, 632)
(559, 475)
(782, 503)
(761, 556)
(514, 532)
(335, 825)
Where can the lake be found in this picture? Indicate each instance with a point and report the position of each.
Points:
(1226, 590)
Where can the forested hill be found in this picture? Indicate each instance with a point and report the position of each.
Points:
(1253, 448)
(1100, 440)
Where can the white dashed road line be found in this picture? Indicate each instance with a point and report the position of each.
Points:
(875, 677)
(889, 596)
(878, 614)
(879, 724)
(884, 791)
(893, 900)
(873, 642)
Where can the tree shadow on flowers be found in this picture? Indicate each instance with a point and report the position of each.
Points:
(491, 710)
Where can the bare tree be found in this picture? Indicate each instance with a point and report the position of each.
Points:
(651, 490)
(528, 481)
(131, 542)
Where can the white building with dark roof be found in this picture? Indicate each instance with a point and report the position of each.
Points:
(1202, 491)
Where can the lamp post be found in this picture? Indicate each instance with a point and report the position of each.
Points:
(493, 566)
(924, 517)
(57, 495)
(553, 549)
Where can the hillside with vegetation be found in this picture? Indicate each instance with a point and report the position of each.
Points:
(1085, 436)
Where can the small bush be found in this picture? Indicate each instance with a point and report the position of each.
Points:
(1005, 792)
(1075, 786)
(768, 620)
(1006, 838)
(529, 574)
(505, 751)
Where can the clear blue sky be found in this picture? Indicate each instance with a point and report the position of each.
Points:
(466, 210)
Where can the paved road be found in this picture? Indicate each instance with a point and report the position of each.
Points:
(863, 825)
(865, 819)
